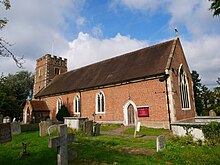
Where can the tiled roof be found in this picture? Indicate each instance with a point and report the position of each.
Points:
(39, 105)
(143, 63)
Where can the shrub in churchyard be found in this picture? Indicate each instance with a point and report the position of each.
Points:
(211, 132)
(63, 112)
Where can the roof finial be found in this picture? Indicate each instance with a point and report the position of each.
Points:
(177, 34)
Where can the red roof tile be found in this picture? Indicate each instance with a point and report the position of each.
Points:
(39, 105)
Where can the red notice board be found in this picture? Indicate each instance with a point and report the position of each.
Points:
(143, 111)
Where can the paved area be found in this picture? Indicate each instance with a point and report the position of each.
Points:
(119, 132)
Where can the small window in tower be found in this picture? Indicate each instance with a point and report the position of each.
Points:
(40, 72)
(57, 71)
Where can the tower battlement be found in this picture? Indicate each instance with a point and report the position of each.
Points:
(48, 67)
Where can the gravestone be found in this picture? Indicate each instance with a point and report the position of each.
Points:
(212, 113)
(1, 118)
(6, 119)
(43, 127)
(61, 143)
(5, 132)
(161, 142)
(15, 128)
(88, 127)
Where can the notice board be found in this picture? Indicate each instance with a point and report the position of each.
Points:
(143, 111)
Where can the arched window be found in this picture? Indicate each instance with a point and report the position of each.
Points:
(76, 105)
(184, 89)
(59, 104)
(100, 102)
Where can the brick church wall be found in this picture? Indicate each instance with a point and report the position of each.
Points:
(146, 93)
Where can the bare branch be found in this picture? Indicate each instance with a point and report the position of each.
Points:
(5, 52)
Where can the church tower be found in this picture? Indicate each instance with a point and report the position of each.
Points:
(47, 67)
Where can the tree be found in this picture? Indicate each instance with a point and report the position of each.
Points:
(4, 45)
(14, 90)
(197, 88)
(63, 112)
(215, 7)
(218, 80)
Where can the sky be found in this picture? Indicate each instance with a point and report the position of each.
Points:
(88, 31)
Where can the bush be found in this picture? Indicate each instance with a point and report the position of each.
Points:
(63, 112)
(211, 133)
(183, 140)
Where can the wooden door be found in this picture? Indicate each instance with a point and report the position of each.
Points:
(131, 117)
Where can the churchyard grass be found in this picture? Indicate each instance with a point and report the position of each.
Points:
(109, 127)
(148, 131)
(105, 149)
(39, 153)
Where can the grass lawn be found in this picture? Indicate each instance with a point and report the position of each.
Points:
(107, 150)
(148, 131)
(109, 127)
(37, 148)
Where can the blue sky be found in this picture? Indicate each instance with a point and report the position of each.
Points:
(87, 31)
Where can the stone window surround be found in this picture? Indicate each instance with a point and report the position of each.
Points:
(76, 100)
(101, 95)
(187, 85)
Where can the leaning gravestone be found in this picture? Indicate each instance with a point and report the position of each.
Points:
(61, 143)
(161, 142)
(5, 132)
(43, 126)
(15, 128)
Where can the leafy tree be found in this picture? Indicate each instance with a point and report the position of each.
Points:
(63, 112)
(14, 90)
(218, 81)
(4, 50)
(206, 95)
(197, 88)
(215, 7)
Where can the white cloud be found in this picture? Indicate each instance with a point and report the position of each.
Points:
(203, 56)
(194, 15)
(86, 49)
(97, 31)
(35, 25)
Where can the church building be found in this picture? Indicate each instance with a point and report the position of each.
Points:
(152, 86)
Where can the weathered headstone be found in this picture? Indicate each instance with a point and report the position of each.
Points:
(212, 113)
(43, 127)
(5, 132)
(6, 119)
(88, 127)
(161, 142)
(15, 128)
(61, 143)
(1, 118)
(96, 129)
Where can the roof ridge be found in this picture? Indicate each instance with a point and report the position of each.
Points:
(117, 56)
